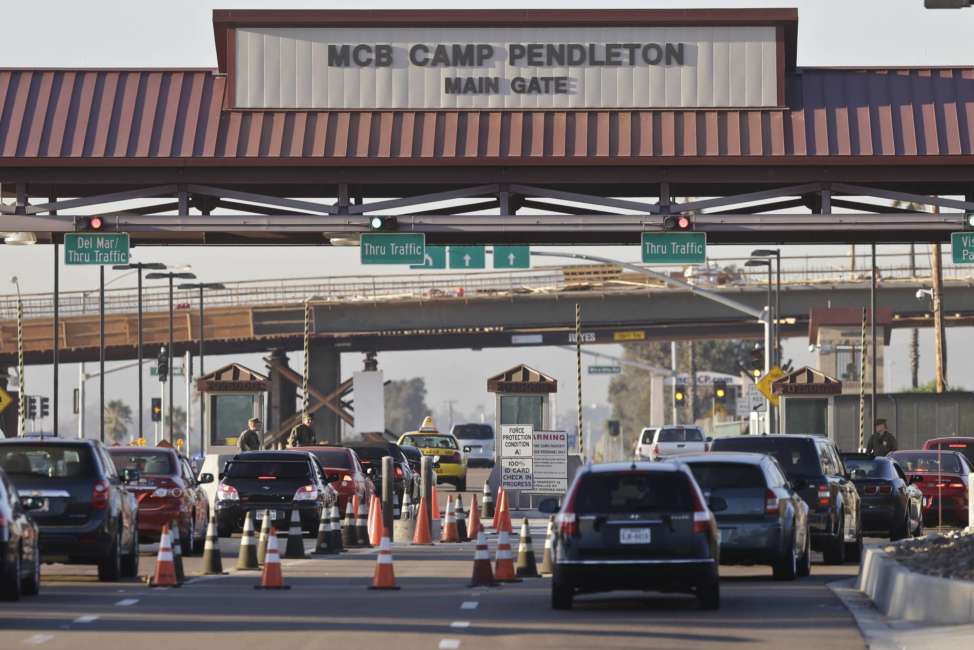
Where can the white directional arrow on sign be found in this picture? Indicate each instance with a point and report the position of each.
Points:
(466, 259)
(511, 258)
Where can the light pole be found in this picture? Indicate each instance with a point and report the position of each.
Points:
(776, 332)
(769, 318)
(138, 267)
(21, 396)
(201, 286)
(170, 275)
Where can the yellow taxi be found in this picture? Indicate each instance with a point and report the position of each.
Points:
(451, 466)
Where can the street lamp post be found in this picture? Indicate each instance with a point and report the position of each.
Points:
(170, 275)
(201, 286)
(769, 318)
(138, 267)
(21, 396)
(776, 332)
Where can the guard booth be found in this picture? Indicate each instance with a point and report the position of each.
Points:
(232, 395)
(807, 401)
(522, 397)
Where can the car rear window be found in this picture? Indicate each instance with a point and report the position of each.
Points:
(648, 436)
(150, 463)
(797, 457)
(369, 455)
(334, 458)
(442, 442)
(680, 435)
(928, 462)
(283, 469)
(868, 468)
(614, 493)
(962, 447)
(717, 476)
(473, 432)
(50, 461)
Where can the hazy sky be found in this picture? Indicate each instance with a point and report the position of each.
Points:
(178, 33)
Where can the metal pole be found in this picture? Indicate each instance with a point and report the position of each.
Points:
(940, 344)
(56, 349)
(862, 384)
(141, 397)
(872, 331)
(162, 425)
(101, 353)
(388, 481)
(172, 370)
(81, 399)
(767, 367)
(188, 376)
(769, 348)
(21, 383)
(426, 474)
(578, 377)
(777, 310)
(675, 419)
(202, 401)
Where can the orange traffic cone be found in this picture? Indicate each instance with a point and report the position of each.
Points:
(483, 575)
(384, 576)
(498, 517)
(422, 535)
(450, 534)
(504, 522)
(504, 559)
(271, 576)
(165, 575)
(436, 504)
(473, 526)
(375, 522)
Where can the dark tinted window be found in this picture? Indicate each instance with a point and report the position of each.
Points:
(334, 458)
(918, 461)
(372, 455)
(965, 448)
(716, 476)
(796, 456)
(648, 436)
(868, 468)
(473, 432)
(286, 469)
(600, 493)
(52, 461)
(680, 435)
(150, 463)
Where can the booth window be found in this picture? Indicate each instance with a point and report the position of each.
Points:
(228, 417)
(523, 409)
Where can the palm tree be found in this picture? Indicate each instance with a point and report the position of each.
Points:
(118, 417)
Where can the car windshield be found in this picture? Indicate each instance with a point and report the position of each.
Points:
(605, 493)
(335, 458)
(148, 463)
(718, 476)
(268, 469)
(928, 462)
(797, 457)
(867, 468)
(440, 442)
(473, 432)
(680, 435)
(50, 461)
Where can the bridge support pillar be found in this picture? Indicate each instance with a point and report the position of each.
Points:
(325, 368)
(282, 395)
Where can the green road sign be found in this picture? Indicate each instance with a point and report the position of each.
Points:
(435, 258)
(174, 372)
(674, 247)
(512, 257)
(393, 248)
(604, 370)
(962, 247)
(96, 248)
(467, 257)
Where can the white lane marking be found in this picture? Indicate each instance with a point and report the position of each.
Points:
(87, 618)
(460, 624)
(469, 604)
(39, 639)
(126, 602)
(449, 644)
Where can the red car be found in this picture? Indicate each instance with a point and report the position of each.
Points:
(963, 445)
(166, 489)
(344, 473)
(942, 477)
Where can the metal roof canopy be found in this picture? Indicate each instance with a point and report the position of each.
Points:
(854, 139)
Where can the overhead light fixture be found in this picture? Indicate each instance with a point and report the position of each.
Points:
(19, 238)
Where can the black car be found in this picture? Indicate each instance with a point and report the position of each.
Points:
(79, 501)
(20, 557)
(276, 482)
(371, 455)
(760, 518)
(891, 505)
(637, 525)
(814, 470)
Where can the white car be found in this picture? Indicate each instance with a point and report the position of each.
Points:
(671, 440)
(477, 442)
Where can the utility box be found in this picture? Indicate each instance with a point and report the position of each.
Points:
(807, 401)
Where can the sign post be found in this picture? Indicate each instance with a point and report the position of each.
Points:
(96, 249)
(674, 247)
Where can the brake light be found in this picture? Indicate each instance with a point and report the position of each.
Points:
(167, 492)
(266, 478)
(99, 495)
(824, 495)
(886, 489)
(306, 493)
(567, 524)
(654, 451)
(956, 485)
(870, 489)
(771, 505)
(227, 493)
(701, 517)
(346, 478)
(398, 472)
(956, 446)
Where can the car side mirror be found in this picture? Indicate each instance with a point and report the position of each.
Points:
(548, 506)
(130, 475)
(205, 478)
(717, 504)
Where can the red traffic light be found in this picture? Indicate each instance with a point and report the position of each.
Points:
(90, 223)
(677, 222)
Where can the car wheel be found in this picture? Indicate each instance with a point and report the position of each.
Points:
(130, 563)
(918, 532)
(186, 541)
(900, 530)
(786, 566)
(110, 568)
(834, 551)
(10, 579)
(561, 595)
(708, 593)
(31, 585)
(805, 564)
(853, 550)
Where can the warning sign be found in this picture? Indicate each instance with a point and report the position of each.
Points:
(550, 462)
(534, 461)
(517, 441)
(517, 473)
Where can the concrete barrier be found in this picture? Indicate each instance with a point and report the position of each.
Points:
(903, 594)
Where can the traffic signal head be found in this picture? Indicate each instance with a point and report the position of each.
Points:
(45, 407)
(969, 221)
(757, 360)
(157, 409)
(614, 428)
(89, 224)
(31, 407)
(680, 393)
(163, 363)
(720, 390)
(678, 222)
(378, 222)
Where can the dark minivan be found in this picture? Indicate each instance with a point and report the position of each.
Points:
(639, 526)
(81, 504)
(815, 471)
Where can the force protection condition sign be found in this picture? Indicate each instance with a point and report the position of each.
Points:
(534, 461)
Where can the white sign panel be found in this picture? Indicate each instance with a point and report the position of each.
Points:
(517, 441)
(517, 473)
(425, 68)
(369, 389)
(550, 462)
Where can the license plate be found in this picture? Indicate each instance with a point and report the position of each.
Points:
(634, 535)
(271, 513)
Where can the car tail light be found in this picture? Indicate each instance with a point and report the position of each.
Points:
(654, 451)
(398, 472)
(162, 493)
(306, 493)
(870, 489)
(567, 524)
(956, 446)
(771, 506)
(227, 493)
(886, 489)
(346, 478)
(956, 485)
(99, 495)
(701, 518)
(824, 495)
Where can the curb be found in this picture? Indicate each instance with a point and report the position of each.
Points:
(899, 593)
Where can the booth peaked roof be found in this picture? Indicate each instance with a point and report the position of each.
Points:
(534, 381)
(233, 372)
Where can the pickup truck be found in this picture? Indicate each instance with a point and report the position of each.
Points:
(672, 440)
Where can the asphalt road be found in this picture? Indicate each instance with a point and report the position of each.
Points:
(328, 606)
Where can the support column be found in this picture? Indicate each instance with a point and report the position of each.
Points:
(326, 375)
(281, 395)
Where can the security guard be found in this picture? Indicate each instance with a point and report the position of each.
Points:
(882, 441)
(302, 435)
(250, 438)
